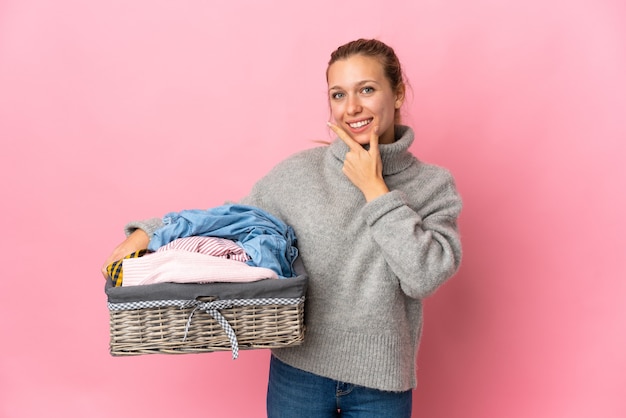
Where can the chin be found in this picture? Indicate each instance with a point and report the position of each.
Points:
(363, 138)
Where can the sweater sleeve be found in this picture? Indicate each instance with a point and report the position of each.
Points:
(421, 245)
(147, 225)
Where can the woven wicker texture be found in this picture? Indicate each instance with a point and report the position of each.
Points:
(164, 329)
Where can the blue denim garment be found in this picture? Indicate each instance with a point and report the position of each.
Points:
(269, 242)
(293, 392)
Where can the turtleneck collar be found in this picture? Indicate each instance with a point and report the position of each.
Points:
(395, 156)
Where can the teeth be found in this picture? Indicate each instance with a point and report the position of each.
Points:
(359, 124)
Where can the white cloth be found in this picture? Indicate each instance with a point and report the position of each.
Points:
(180, 266)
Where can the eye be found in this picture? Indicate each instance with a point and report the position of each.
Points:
(337, 95)
(367, 90)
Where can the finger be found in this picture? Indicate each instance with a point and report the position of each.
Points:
(374, 140)
(343, 135)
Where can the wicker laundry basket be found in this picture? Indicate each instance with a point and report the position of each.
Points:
(171, 318)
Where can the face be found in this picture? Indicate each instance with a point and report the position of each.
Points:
(361, 98)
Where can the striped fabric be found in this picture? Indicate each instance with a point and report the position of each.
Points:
(217, 247)
(214, 246)
(180, 266)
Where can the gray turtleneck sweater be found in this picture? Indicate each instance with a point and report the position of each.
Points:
(370, 264)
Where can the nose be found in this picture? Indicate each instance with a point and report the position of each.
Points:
(354, 105)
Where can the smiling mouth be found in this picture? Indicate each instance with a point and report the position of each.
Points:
(360, 124)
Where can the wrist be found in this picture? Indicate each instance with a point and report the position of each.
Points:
(140, 238)
(375, 190)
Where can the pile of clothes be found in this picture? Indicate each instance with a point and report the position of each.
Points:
(228, 243)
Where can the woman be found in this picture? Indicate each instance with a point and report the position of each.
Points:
(377, 233)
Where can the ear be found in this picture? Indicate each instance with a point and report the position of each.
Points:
(399, 96)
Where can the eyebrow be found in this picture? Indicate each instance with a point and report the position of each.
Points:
(360, 83)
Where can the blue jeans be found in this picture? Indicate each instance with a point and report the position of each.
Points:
(294, 393)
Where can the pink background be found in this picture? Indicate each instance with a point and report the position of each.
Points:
(118, 110)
